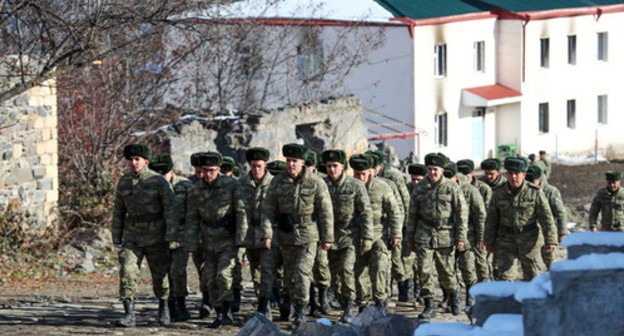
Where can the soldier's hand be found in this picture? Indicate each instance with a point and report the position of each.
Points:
(481, 245)
(550, 247)
(326, 246)
(459, 245)
(594, 229)
(174, 245)
(365, 246)
(394, 241)
(267, 243)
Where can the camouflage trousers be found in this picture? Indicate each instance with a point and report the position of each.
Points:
(466, 265)
(198, 261)
(410, 268)
(217, 274)
(342, 266)
(371, 274)
(177, 273)
(321, 272)
(482, 266)
(262, 267)
(397, 269)
(298, 264)
(237, 273)
(278, 276)
(158, 260)
(444, 260)
(526, 247)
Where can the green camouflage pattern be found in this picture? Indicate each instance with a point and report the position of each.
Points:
(130, 258)
(484, 190)
(399, 180)
(500, 181)
(342, 267)
(611, 208)
(387, 217)
(321, 273)
(476, 211)
(179, 257)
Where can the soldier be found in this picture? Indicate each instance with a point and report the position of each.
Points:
(492, 175)
(437, 226)
(227, 169)
(143, 226)
(216, 212)
(261, 261)
(534, 175)
(163, 165)
(277, 167)
(417, 173)
(545, 165)
(608, 201)
(299, 205)
(373, 260)
(518, 223)
(199, 173)
(353, 221)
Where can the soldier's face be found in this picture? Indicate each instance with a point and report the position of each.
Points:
(377, 169)
(257, 168)
(416, 178)
(211, 173)
(515, 178)
(334, 170)
(613, 185)
(363, 175)
(434, 173)
(491, 175)
(294, 166)
(311, 169)
(199, 173)
(137, 163)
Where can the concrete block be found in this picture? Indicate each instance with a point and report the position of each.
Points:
(490, 305)
(45, 183)
(393, 325)
(541, 316)
(580, 250)
(367, 317)
(259, 325)
(39, 172)
(20, 176)
(320, 329)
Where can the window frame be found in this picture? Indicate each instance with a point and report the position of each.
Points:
(439, 60)
(479, 56)
(602, 53)
(442, 129)
(572, 49)
(543, 118)
(571, 113)
(603, 109)
(545, 52)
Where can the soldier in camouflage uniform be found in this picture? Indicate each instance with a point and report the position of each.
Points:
(545, 165)
(275, 168)
(143, 226)
(519, 222)
(353, 221)
(534, 175)
(299, 205)
(609, 202)
(216, 212)
(261, 261)
(437, 226)
(492, 174)
(163, 165)
(372, 262)
(417, 173)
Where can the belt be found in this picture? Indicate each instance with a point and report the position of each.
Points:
(146, 218)
(522, 229)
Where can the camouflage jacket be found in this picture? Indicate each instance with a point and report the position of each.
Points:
(300, 209)
(484, 190)
(556, 207)
(353, 215)
(476, 211)
(193, 178)
(385, 219)
(513, 212)
(181, 188)
(438, 214)
(545, 167)
(254, 194)
(143, 212)
(611, 207)
(500, 181)
(384, 206)
(216, 215)
(399, 180)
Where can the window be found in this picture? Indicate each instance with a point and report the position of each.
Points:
(479, 56)
(571, 115)
(441, 121)
(572, 49)
(603, 46)
(543, 117)
(544, 52)
(602, 109)
(309, 55)
(250, 63)
(439, 60)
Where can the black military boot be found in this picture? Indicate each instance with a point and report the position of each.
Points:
(410, 288)
(403, 297)
(324, 299)
(181, 313)
(285, 309)
(218, 321)
(456, 302)
(237, 300)
(172, 309)
(275, 298)
(226, 310)
(417, 294)
(469, 298)
(264, 308)
(444, 304)
(334, 301)
(128, 320)
(206, 306)
(347, 313)
(164, 318)
(429, 311)
(314, 304)
(300, 317)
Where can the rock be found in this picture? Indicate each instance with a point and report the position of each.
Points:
(86, 266)
(322, 328)
(259, 325)
(367, 317)
(392, 325)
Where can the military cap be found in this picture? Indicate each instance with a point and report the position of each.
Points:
(141, 150)
(517, 163)
(210, 159)
(450, 170)
(334, 155)
(542, 152)
(295, 151)
(613, 175)
(361, 161)
(490, 164)
(236, 171)
(320, 166)
(417, 169)
(161, 164)
(257, 153)
(465, 166)
(378, 155)
(195, 159)
(435, 159)
(532, 157)
(227, 165)
(276, 167)
(533, 173)
(310, 158)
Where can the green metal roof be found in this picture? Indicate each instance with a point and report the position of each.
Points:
(541, 5)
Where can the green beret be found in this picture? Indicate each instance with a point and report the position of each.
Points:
(516, 163)
(435, 159)
(450, 170)
(195, 159)
(378, 155)
(227, 165)
(490, 164)
(310, 158)
(257, 153)
(161, 164)
(276, 167)
(542, 152)
(141, 150)
(361, 161)
(533, 173)
(613, 175)
(210, 159)
(417, 169)
(295, 151)
(336, 155)
(465, 166)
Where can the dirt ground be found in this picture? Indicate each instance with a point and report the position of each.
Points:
(88, 305)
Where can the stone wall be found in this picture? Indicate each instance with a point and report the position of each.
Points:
(29, 155)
